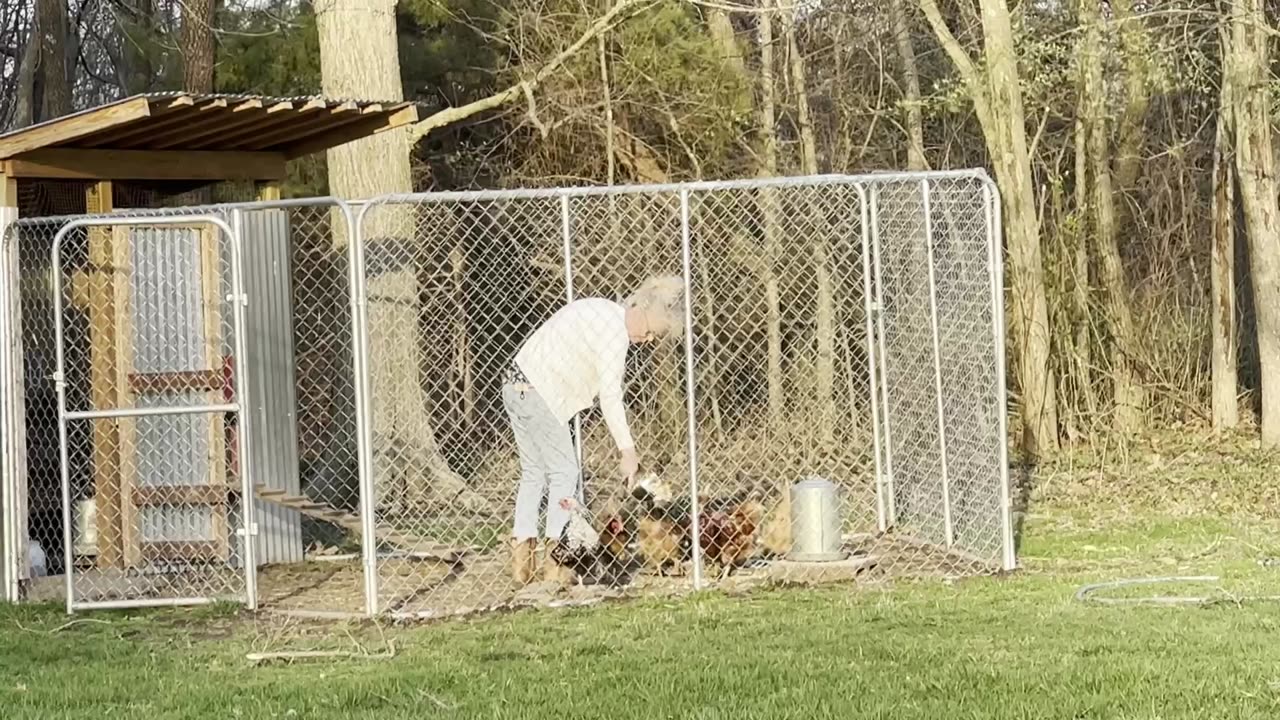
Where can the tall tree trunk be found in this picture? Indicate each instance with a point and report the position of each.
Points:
(772, 230)
(1130, 131)
(1247, 63)
(55, 91)
(1082, 351)
(994, 87)
(197, 61)
(910, 87)
(136, 72)
(825, 320)
(359, 58)
(25, 112)
(1128, 393)
(1222, 269)
(197, 46)
(721, 27)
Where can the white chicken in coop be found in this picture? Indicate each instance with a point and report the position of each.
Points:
(579, 546)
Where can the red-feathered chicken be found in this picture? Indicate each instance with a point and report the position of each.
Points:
(727, 529)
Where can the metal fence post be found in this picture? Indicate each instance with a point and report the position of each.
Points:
(686, 255)
(9, 562)
(869, 310)
(995, 250)
(364, 423)
(890, 480)
(948, 529)
(249, 524)
(566, 234)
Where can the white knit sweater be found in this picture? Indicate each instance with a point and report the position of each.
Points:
(579, 355)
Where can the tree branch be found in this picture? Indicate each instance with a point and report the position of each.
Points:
(621, 10)
(964, 64)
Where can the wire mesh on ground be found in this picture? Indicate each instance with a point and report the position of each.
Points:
(842, 328)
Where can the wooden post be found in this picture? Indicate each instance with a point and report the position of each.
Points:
(268, 191)
(13, 466)
(107, 301)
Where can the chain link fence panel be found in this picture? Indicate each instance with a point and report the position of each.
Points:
(302, 406)
(845, 329)
(848, 329)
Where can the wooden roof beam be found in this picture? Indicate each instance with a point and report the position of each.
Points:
(78, 164)
(204, 123)
(363, 128)
(295, 117)
(77, 126)
(331, 117)
(127, 135)
(214, 136)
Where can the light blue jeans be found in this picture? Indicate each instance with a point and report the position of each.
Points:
(548, 461)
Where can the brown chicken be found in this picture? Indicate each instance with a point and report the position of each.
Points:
(662, 524)
(727, 528)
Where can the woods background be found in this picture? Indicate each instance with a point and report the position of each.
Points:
(1132, 142)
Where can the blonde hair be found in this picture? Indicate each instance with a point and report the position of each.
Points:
(661, 296)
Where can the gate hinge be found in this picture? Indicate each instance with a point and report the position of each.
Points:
(243, 298)
(251, 531)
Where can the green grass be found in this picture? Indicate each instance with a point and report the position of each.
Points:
(1017, 647)
(1012, 647)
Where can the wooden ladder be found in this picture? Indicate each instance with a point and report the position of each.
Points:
(383, 532)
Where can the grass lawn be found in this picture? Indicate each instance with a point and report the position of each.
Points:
(1017, 647)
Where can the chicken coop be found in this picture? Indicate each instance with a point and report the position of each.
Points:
(214, 394)
(127, 342)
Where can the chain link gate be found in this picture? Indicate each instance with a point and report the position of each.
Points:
(842, 327)
(163, 305)
(300, 425)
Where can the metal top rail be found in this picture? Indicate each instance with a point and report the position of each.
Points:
(675, 188)
(188, 210)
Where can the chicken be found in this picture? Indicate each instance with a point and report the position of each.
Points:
(579, 547)
(727, 529)
(615, 534)
(662, 524)
(775, 536)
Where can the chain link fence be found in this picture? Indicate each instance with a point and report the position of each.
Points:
(843, 329)
(139, 479)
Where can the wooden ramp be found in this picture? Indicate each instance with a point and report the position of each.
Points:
(384, 533)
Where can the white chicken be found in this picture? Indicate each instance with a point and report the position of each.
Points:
(579, 546)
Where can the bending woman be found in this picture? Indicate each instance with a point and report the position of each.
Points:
(576, 357)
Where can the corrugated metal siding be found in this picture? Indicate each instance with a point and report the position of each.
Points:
(270, 366)
(168, 318)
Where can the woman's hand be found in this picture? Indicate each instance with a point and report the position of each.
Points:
(630, 465)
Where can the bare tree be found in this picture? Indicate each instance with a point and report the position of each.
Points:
(1247, 65)
(197, 46)
(1222, 269)
(910, 87)
(359, 57)
(1128, 393)
(993, 84)
(773, 242)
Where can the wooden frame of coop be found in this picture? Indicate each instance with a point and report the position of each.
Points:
(174, 143)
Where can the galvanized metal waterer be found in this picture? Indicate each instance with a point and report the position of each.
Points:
(815, 522)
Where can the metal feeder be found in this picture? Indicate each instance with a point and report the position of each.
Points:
(815, 522)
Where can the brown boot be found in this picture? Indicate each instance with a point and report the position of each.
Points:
(524, 561)
(553, 571)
